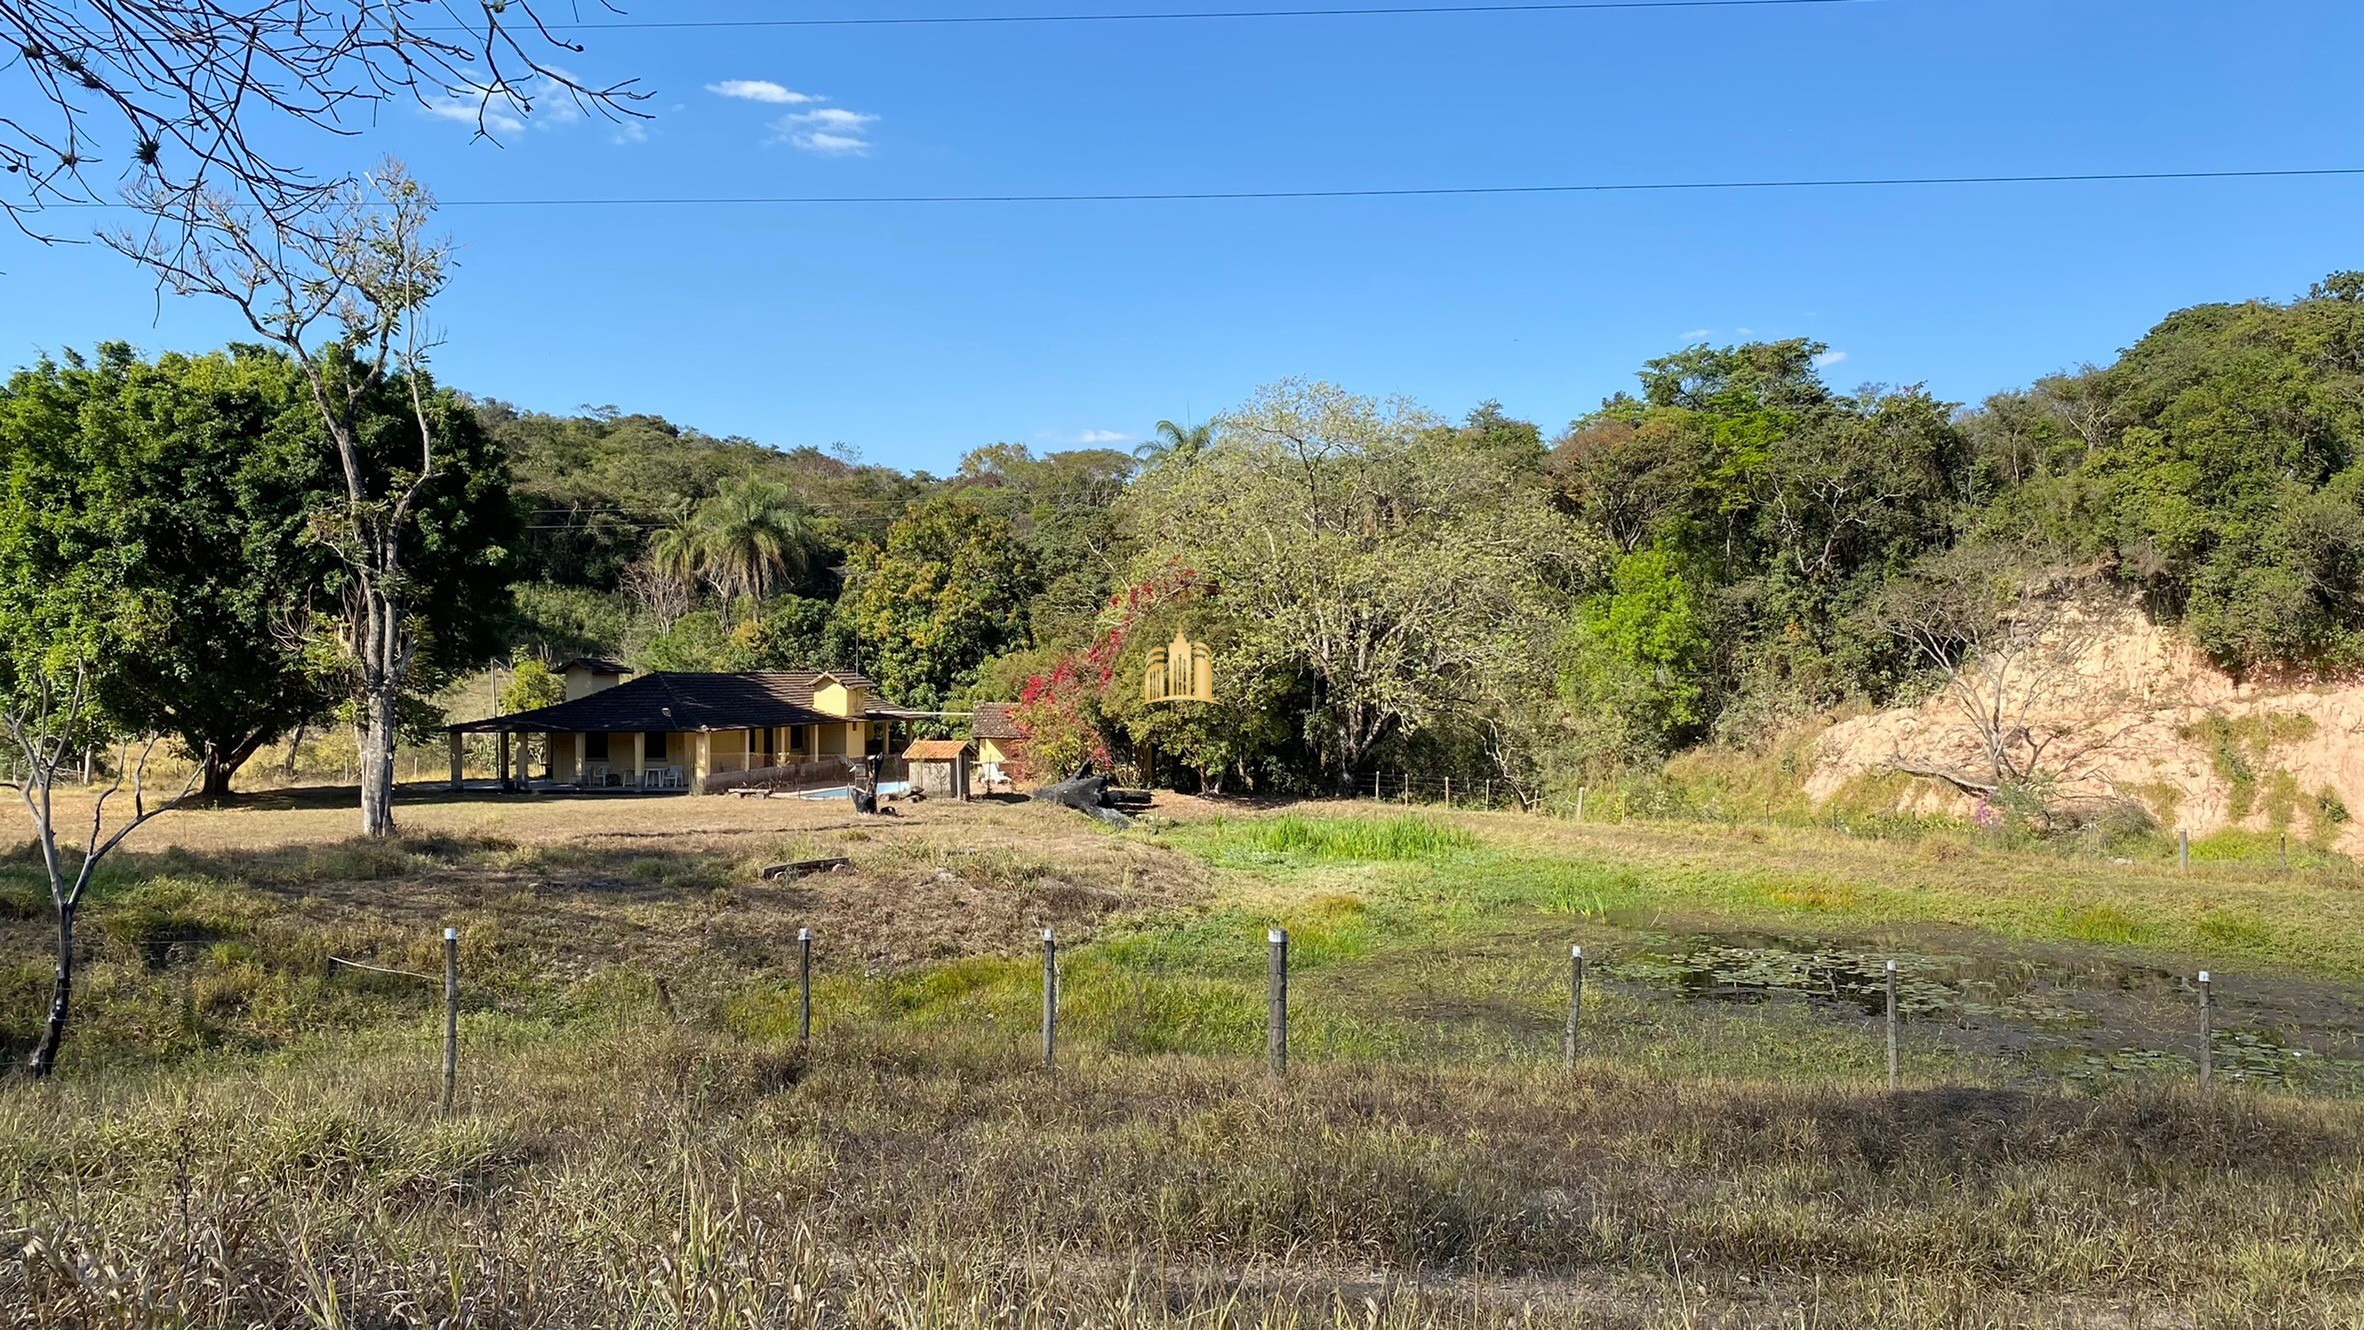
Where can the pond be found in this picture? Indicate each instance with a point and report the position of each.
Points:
(2052, 1013)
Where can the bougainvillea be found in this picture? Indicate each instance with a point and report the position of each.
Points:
(1060, 710)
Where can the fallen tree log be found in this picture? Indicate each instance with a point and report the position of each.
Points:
(1086, 794)
(1954, 776)
(801, 867)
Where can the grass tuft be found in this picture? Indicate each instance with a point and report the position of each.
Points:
(1352, 839)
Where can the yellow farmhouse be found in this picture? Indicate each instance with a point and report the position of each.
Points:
(695, 732)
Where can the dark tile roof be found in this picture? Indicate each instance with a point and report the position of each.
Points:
(996, 720)
(595, 664)
(667, 701)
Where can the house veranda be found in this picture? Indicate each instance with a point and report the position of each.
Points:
(697, 733)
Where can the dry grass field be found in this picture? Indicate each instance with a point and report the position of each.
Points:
(243, 1135)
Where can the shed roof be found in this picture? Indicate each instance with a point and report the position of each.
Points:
(668, 701)
(937, 750)
(996, 720)
(596, 665)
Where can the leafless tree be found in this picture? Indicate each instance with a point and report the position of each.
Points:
(2007, 631)
(47, 723)
(186, 102)
(664, 594)
(346, 298)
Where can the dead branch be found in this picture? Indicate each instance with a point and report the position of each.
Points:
(193, 99)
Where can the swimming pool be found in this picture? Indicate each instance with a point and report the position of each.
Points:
(885, 788)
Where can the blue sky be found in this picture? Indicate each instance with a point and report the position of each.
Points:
(916, 332)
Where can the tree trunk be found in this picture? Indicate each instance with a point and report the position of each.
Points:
(377, 761)
(1347, 759)
(222, 763)
(295, 746)
(61, 994)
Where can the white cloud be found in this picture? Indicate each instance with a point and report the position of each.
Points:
(1083, 438)
(1830, 358)
(631, 131)
(545, 104)
(831, 131)
(1699, 334)
(470, 108)
(1101, 436)
(1744, 332)
(762, 90)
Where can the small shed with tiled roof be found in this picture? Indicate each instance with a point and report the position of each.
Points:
(939, 767)
(998, 736)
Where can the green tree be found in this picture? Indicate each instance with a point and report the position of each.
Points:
(204, 480)
(1062, 506)
(948, 590)
(531, 685)
(71, 625)
(1172, 442)
(1635, 661)
(2217, 467)
(748, 537)
(1357, 547)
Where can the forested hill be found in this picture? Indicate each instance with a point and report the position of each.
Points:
(1733, 547)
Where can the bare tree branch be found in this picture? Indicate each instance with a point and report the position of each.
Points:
(188, 99)
(343, 290)
(46, 730)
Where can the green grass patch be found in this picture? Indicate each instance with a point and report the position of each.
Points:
(2101, 923)
(1345, 839)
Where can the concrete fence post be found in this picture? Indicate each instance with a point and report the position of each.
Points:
(804, 985)
(451, 1016)
(1050, 1002)
(1893, 1079)
(2207, 1034)
(1575, 1004)
(1276, 1001)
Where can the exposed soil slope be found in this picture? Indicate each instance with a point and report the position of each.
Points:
(2152, 720)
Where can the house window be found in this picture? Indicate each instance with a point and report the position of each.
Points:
(595, 747)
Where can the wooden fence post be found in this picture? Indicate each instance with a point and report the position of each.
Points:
(2183, 848)
(451, 1016)
(1580, 803)
(2286, 852)
(1050, 1002)
(1575, 1004)
(1892, 1076)
(1276, 1005)
(804, 985)
(1448, 791)
(2207, 1035)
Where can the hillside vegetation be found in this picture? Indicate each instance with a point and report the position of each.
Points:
(1708, 563)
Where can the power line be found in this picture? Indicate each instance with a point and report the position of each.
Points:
(1410, 192)
(1182, 15)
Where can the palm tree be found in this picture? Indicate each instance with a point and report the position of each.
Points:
(673, 550)
(1175, 442)
(750, 536)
